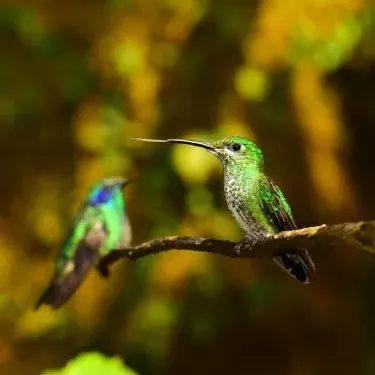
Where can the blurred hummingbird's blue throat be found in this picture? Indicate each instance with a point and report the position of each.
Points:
(102, 192)
(101, 196)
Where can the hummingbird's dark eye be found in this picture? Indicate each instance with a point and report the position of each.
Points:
(235, 147)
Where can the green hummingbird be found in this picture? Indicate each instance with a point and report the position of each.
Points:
(254, 200)
(100, 225)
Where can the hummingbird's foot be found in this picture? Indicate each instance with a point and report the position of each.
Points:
(237, 250)
(103, 269)
(246, 243)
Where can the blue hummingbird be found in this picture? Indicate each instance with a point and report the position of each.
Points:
(100, 225)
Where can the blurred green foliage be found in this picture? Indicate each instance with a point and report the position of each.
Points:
(93, 363)
(79, 78)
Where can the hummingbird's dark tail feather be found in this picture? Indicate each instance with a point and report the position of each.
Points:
(63, 287)
(298, 264)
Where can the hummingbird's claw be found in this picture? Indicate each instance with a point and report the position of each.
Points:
(247, 243)
(237, 249)
(103, 270)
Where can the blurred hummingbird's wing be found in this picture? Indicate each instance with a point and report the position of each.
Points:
(62, 287)
(86, 220)
(73, 268)
(275, 207)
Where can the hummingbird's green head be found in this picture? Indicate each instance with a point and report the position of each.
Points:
(105, 190)
(238, 150)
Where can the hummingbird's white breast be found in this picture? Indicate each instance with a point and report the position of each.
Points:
(238, 198)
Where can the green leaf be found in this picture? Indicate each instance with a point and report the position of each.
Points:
(93, 364)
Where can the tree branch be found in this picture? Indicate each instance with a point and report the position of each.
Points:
(357, 236)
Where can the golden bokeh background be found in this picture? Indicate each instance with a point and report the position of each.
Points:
(79, 78)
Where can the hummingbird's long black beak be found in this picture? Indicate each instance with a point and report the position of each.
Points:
(205, 145)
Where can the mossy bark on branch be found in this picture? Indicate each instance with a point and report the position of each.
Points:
(355, 236)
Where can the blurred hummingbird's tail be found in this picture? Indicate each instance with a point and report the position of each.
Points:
(63, 286)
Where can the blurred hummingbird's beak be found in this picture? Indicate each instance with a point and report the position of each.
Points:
(205, 145)
(118, 181)
(127, 181)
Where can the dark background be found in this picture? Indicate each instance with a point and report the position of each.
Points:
(78, 78)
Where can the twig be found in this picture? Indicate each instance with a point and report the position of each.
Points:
(357, 236)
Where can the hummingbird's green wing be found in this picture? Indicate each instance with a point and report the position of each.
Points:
(71, 271)
(77, 254)
(86, 218)
(275, 207)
